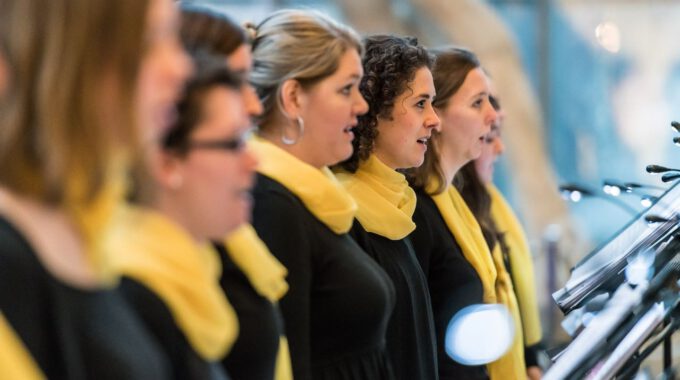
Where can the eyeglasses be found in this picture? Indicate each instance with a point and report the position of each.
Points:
(230, 145)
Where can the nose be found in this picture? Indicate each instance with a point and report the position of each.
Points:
(498, 146)
(432, 120)
(179, 66)
(252, 102)
(249, 159)
(360, 104)
(490, 116)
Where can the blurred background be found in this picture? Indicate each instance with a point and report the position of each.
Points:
(589, 89)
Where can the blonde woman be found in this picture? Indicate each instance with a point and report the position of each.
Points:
(77, 70)
(307, 70)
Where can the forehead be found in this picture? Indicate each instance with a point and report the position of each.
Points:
(349, 65)
(475, 82)
(422, 84)
(224, 104)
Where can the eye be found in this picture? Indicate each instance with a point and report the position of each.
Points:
(347, 90)
(421, 104)
(478, 103)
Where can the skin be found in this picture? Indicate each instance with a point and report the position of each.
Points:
(164, 69)
(3, 76)
(241, 61)
(466, 120)
(329, 110)
(402, 140)
(50, 231)
(207, 191)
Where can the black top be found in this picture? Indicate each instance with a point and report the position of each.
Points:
(72, 333)
(186, 363)
(410, 335)
(339, 301)
(253, 355)
(453, 282)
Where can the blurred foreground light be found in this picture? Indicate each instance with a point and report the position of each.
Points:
(608, 36)
(479, 334)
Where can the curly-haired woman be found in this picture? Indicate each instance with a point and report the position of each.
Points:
(399, 89)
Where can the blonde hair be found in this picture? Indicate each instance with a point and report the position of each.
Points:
(69, 102)
(296, 44)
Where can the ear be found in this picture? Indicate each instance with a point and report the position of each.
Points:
(291, 98)
(167, 170)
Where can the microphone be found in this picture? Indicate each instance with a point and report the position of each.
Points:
(615, 188)
(574, 193)
(654, 169)
(668, 177)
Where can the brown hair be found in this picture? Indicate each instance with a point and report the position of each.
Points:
(451, 67)
(296, 44)
(390, 65)
(205, 29)
(211, 72)
(69, 104)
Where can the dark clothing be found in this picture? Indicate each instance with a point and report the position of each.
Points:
(253, 355)
(410, 334)
(72, 333)
(339, 301)
(453, 282)
(186, 363)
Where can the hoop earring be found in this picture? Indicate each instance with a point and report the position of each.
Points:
(301, 129)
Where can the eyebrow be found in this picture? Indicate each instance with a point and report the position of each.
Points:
(424, 96)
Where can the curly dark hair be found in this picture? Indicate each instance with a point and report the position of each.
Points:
(390, 64)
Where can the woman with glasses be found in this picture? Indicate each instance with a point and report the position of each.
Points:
(85, 79)
(195, 190)
(252, 278)
(306, 70)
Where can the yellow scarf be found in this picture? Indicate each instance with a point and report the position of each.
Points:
(520, 264)
(386, 202)
(15, 360)
(265, 273)
(318, 189)
(156, 252)
(495, 279)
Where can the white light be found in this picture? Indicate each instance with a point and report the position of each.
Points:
(608, 36)
(479, 334)
(646, 202)
(615, 191)
(575, 196)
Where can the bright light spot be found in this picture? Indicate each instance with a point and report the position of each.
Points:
(615, 191)
(575, 196)
(608, 36)
(646, 202)
(479, 334)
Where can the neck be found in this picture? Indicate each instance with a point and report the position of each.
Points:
(384, 159)
(449, 163)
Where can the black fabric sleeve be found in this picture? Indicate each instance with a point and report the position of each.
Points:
(279, 220)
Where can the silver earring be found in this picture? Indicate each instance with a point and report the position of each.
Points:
(301, 129)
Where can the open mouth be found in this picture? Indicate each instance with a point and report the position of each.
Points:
(348, 129)
(423, 140)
